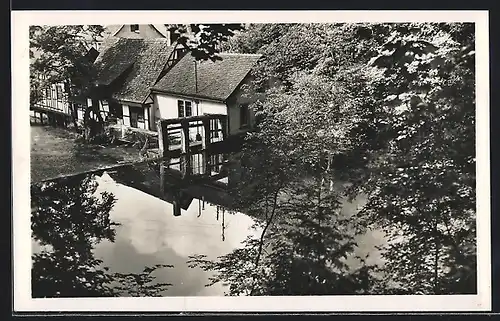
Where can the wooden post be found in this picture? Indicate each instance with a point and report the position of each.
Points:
(189, 166)
(223, 121)
(185, 130)
(206, 136)
(207, 163)
(166, 140)
(162, 178)
(176, 206)
(162, 137)
(223, 225)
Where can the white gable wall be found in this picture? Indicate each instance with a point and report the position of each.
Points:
(166, 107)
(234, 103)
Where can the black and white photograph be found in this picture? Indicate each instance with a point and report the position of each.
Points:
(200, 157)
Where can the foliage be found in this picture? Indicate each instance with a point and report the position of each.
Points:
(424, 184)
(390, 108)
(204, 40)
(304, 240)
(58, 56)
(68, 219)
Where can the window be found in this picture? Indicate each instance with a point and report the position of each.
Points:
(58, 92)
(214, 128)
(244, 115)
(115, 110)
(134, 28)
(173, 36)
(140, 116)
(184, 108)
(180, 107)
(136, 116)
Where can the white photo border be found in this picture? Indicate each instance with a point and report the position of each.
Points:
(23, 302)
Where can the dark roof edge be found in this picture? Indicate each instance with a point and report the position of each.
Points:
(117, 30)
(128, 101)
(238, 86)
(161, 33)
(247, 75)
(161, 91)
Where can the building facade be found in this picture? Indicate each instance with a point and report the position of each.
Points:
(140, 81)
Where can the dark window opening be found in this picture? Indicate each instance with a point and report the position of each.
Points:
(180, 108)
(184, 108)
(115, 111)
(244, 115)
(136, 116)
(134, 28)
(58, 92)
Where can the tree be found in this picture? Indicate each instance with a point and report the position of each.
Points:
(203, 41)
(68, 219)
(391, 107)
(304, 239)
(422, 187)
(59, 56)
(303, 248)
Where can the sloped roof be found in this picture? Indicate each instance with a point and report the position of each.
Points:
(139, 61)
(117, 54)
(215, 80)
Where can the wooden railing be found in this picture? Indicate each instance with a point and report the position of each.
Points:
(209, 124)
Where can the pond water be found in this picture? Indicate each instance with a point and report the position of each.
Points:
(150, 234)
(162, 218)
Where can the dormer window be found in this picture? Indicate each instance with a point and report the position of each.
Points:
(134, 28)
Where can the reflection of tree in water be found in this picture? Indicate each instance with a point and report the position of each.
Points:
(304, 241)
(68, 219)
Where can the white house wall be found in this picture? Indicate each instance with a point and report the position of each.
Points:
(166, 107)
(208, 107)
(53, 102)
(234, 112)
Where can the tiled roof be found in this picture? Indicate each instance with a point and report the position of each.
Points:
(215, 80)
(139, 61)
(116, 56)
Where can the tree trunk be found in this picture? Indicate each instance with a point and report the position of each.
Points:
(92, 126)
(74, 115)
(436, 259)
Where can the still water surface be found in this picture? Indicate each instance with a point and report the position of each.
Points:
(151, 231)
(150, 234)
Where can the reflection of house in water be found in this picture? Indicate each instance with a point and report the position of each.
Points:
(205, 177)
